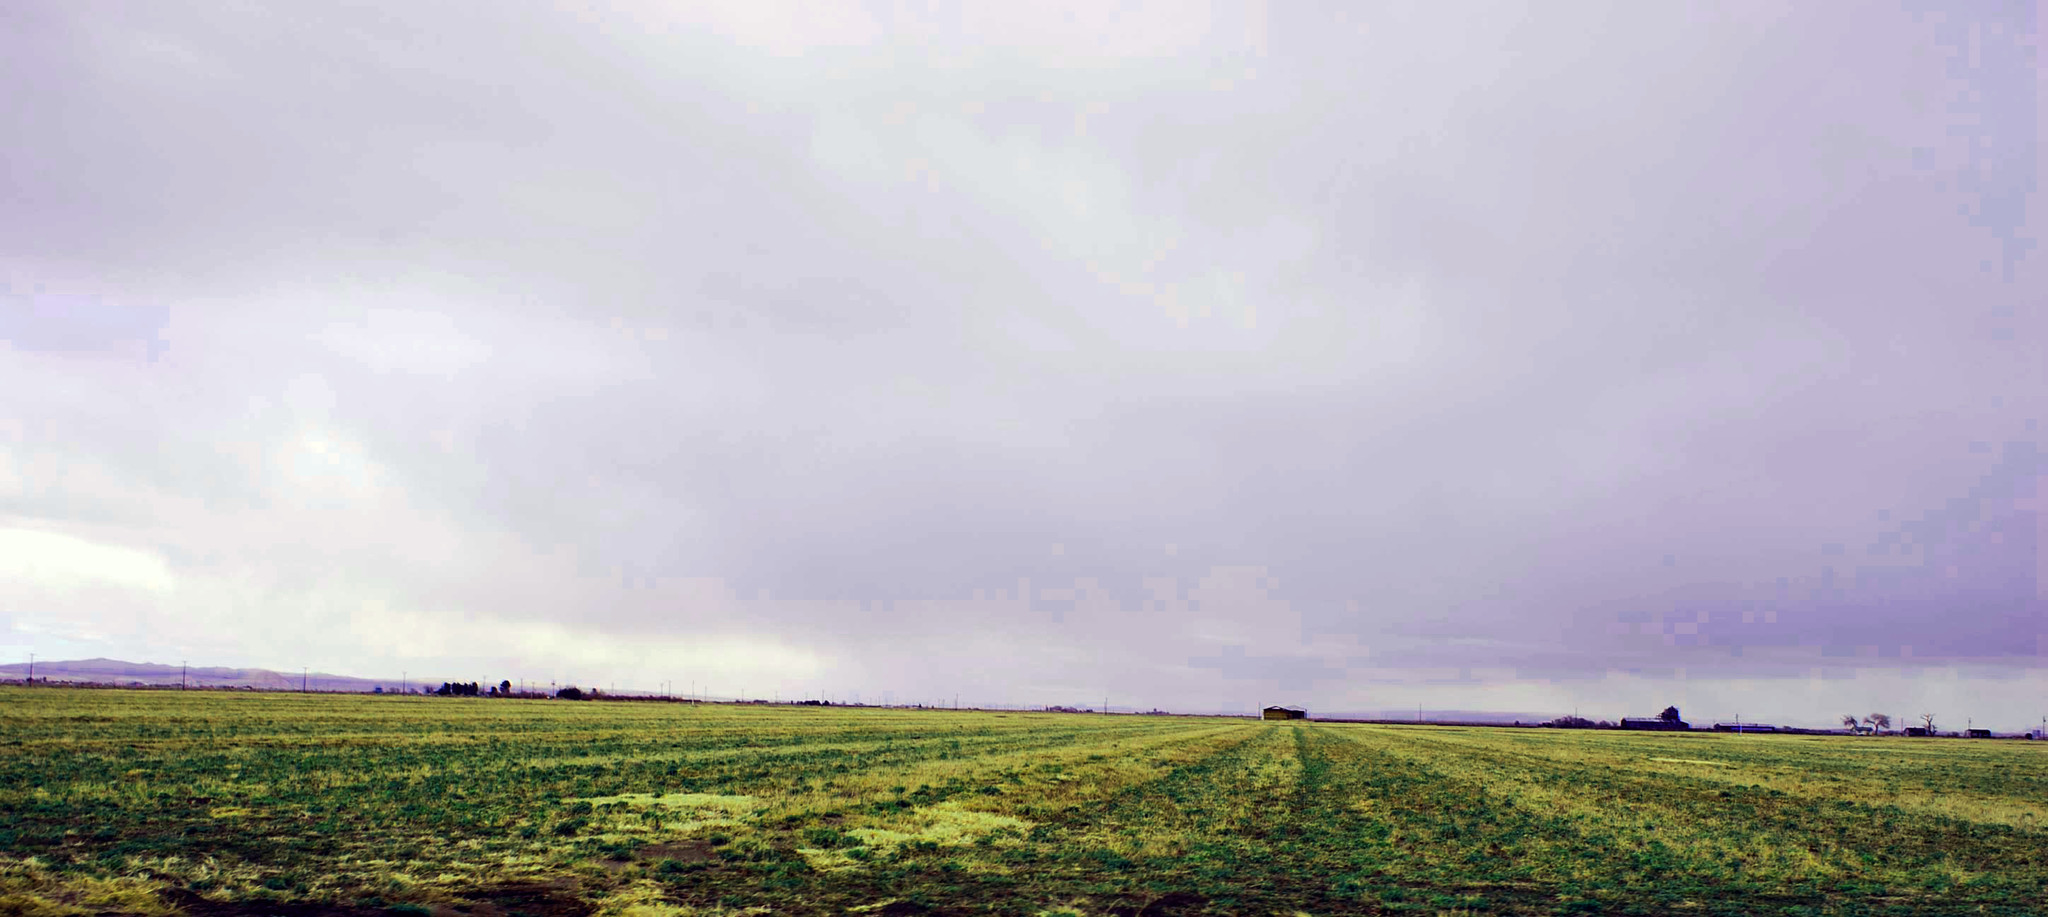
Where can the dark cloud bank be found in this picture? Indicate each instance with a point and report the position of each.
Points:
(1348, 357)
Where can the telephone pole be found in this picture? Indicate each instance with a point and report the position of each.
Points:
(31, 668)
(181, 674)
(303, 673)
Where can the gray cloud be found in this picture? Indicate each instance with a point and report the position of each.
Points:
(867, 349)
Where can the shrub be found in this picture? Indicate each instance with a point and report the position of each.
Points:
(677, 867)
(828, 838)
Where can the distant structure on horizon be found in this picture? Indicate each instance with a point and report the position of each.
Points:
(1284, 713)
(1668, 721)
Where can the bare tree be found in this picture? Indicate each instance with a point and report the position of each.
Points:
(1879, 720)
(1928, 718)
(1851, 721)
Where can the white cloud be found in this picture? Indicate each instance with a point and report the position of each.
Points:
(66, 563)
(406, 340)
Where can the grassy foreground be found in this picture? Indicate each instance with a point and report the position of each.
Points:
(216, 804)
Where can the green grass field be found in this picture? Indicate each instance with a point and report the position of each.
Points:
(217, 804)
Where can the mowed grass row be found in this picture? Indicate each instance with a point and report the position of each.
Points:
(139, 802)
(270, 807)
(1720, 824)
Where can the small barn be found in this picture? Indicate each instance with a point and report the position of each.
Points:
(1284, 713)
(1654, 722)
(1977, 733)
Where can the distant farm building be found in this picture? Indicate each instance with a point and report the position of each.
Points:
(1978, 733)
(1744, 727)
(1920, 731)
(1284, 713)
(1653, 722)
(1864, 729)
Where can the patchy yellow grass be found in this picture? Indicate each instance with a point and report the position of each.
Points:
(737, 805)
(645, 899)
(30, 889)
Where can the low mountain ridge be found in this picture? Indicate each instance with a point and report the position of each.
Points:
(129, 674)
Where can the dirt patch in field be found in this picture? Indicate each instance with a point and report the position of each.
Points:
(911, 909)
(191, 903)
(1171, 904)
(558, 898)
(897, 907)
(680, 851)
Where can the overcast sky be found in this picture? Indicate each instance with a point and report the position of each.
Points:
(1359, 356)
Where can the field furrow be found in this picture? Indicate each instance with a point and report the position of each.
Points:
(235, 805)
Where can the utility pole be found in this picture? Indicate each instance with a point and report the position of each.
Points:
(31, 668)
(304, 672)
(404, 684)
(181, 674)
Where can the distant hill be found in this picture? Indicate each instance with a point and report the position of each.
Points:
(117, 672)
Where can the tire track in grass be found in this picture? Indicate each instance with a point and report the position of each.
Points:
(1467, 833)
(423, 807)
(1783, 842)
(2004, 785)
(942, 856)
(1608, 839)
(1192, 836)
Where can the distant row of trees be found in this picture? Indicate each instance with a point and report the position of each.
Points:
(473, 689)
(1668, 715)
(504, 689)
(1883, 722)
